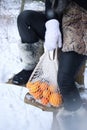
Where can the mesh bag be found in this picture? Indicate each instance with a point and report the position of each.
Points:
(46, 69)
(42, 84)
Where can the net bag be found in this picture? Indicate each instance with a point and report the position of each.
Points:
(42, 84)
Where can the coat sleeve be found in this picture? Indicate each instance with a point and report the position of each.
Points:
(82, 3)
(54, 8)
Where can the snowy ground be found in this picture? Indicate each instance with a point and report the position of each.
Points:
(9, 36)
(14, 113)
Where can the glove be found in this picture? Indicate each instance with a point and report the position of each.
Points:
(52, 35)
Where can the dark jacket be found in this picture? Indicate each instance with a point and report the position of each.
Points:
(55, 8)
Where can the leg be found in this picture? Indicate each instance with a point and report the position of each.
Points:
(31, 26)
(69, 64)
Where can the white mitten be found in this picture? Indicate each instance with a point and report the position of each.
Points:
(52, 35)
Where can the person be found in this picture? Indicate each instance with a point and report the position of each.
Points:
(63, 24)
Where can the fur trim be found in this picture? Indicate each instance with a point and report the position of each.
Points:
(30, 54)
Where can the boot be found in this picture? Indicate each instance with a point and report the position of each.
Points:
(29, 55)
(72, 120)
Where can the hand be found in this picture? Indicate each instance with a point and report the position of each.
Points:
(52, 35)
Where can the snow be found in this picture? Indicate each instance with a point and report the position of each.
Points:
(9, 36)
(14, 113)
(85, 78)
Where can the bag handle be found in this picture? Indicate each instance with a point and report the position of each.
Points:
(52, 54)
